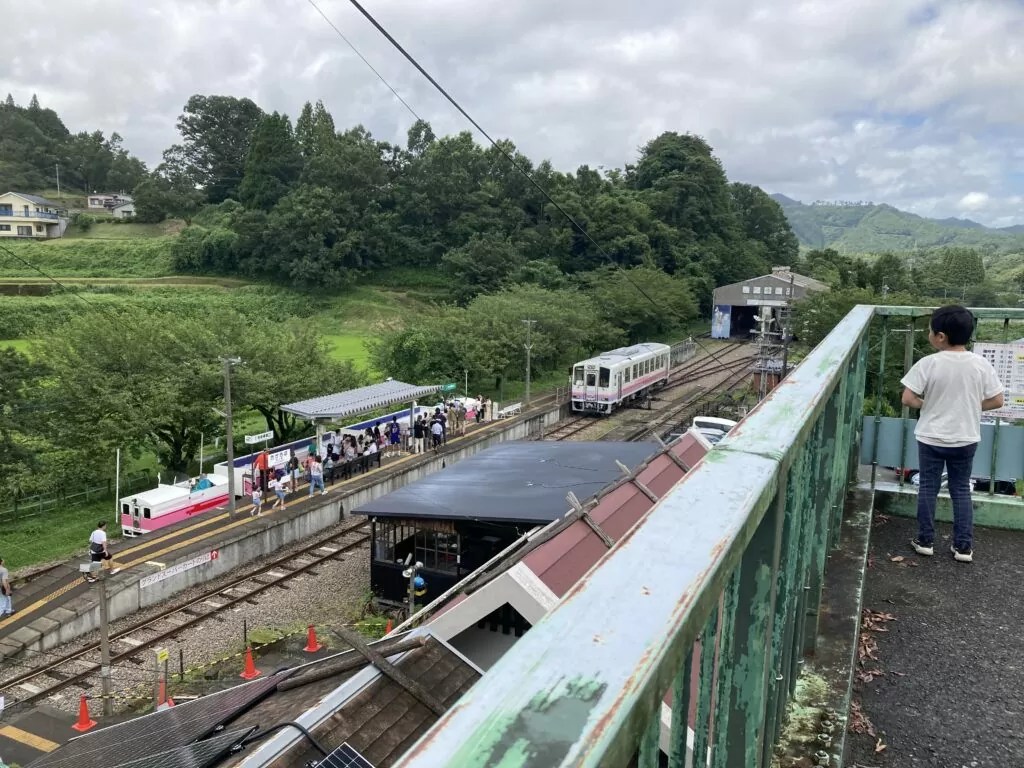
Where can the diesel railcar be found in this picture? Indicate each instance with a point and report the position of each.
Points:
(606, 382)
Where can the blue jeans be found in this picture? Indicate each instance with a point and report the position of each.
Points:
(5, 604)
(315, 481)
(958, 463)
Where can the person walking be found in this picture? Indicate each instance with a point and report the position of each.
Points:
(6, 605)
(316, 477)
(436, 431)
(950, 388)
(257, 502)
(280, 489)
(394, 436)
(99, 548)
(293, 469)
(261, 466)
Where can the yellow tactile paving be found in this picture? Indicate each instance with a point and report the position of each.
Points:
(37, 743)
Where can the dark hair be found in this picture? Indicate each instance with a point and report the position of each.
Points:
(101, 523)
(955, 321)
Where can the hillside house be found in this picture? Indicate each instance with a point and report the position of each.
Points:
(24, 215)
(106, 201)
(123, 210)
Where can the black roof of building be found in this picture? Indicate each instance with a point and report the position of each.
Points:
(513, 482)
(37, 199)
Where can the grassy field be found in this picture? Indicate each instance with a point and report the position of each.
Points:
(109, 231)
(349, 347)
(78, 257)
(19, 345)
(36, 540)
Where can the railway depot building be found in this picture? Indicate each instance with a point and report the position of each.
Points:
(736, 305)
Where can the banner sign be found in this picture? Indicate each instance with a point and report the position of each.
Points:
(174, 570)
(262, 437)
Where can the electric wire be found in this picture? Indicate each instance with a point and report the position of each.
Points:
(364, 59)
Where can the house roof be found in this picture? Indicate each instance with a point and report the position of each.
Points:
(783, 277)
(35, 199)
(565, 550)
(361, 400)
(512, 482)
(129, 201)
(627, 353)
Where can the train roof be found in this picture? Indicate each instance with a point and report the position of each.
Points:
(627, 353)
(158, 495)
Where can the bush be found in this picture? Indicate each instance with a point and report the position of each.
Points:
(83, 221)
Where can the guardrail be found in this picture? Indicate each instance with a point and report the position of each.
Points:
(29, 215)
(32, 506)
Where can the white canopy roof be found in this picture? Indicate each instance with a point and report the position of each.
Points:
(362, 400)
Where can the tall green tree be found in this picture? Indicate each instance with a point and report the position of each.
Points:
(643, 301)
(962, 269)
(216, 132)
(764, 224)
(482, 265)
(273, 165)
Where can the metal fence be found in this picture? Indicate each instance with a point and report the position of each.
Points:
(32, 506)
(682, 351)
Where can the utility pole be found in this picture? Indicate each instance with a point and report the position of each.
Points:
(528, 346)
(101, 590)
(57, 166)
(228, 362)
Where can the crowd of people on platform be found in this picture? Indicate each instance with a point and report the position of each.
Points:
(383, 439)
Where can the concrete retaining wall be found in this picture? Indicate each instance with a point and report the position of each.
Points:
(125, 592)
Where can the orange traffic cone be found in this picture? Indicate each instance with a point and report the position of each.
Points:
(312, 646)
(388, 626)
(250, 673)
(84, 721)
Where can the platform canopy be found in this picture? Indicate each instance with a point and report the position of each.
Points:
(361, 400)
(515, 481)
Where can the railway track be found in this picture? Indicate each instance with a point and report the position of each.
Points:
(78, 667)
(569, 427)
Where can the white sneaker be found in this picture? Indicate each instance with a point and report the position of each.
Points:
(927, 550)
(962, 556)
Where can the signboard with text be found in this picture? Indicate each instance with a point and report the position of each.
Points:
(262, 437)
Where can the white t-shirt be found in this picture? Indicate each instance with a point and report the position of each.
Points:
(98, 536)
(952, 385)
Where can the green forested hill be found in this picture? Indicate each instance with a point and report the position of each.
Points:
(870, 228)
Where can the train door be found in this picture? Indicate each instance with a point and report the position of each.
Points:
(136, 513)
(618, 386)
(591, 388)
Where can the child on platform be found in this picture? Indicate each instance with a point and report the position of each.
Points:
(951, 388)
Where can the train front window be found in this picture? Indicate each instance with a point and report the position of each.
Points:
(603, 382)
(577, 376)
(591, 379)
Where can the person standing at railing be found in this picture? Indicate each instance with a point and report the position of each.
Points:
(951, 388)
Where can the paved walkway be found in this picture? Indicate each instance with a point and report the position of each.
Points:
(951, 692)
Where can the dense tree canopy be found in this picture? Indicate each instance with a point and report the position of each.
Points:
(321, 206)
(34, 141)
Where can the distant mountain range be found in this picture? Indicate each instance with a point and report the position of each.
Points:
(870, 228)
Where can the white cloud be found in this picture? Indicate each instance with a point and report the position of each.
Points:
(908, 102)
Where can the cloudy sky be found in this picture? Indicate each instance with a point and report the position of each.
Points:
(913, 103)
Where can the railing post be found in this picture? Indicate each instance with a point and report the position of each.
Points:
(908, 360)
(702, 718)
(995, 433)
(726, 675)
(879, 389)
(758, 608)
(817, 544)
(681, 690)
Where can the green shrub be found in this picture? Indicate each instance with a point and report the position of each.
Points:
(83, 221)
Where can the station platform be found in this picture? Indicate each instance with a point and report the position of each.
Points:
(57, 604)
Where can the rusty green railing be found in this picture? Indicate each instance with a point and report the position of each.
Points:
(731, 560)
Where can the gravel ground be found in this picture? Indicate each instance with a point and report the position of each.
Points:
(334, 595)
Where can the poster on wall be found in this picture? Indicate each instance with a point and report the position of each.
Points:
(721, 321)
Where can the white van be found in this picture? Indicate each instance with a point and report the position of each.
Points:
(712, 424)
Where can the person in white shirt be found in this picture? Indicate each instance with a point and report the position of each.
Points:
(6, 607)
(99, 548)
(316, 477)
(951, 388)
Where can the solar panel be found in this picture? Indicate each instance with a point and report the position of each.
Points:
(345, 756)
(159, 732)
(199, 755)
